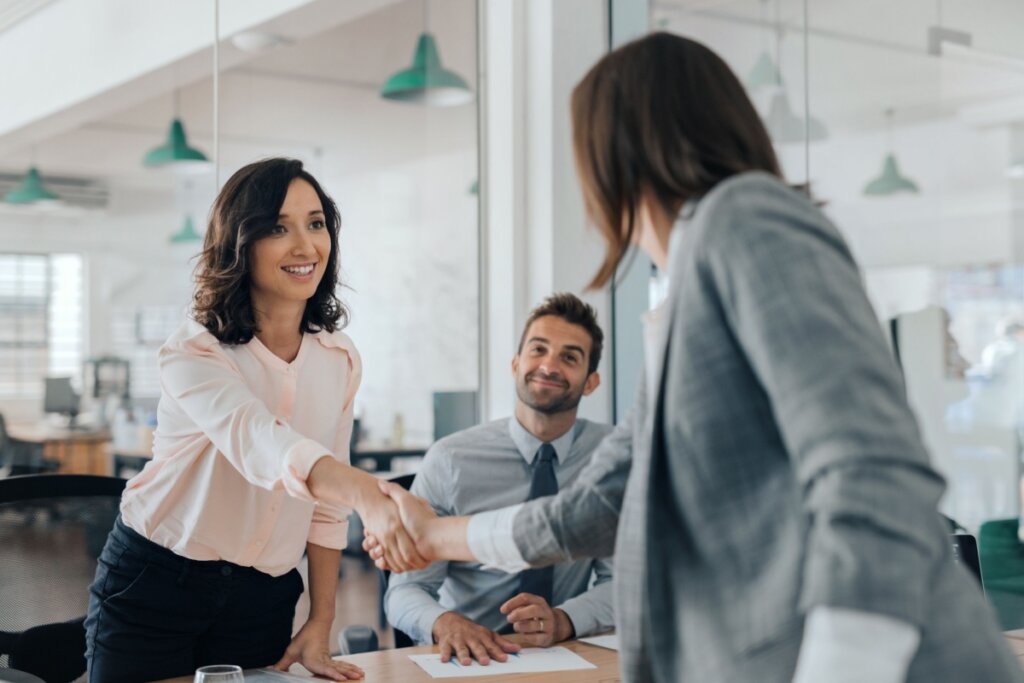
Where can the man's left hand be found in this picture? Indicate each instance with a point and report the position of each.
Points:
(534, 618)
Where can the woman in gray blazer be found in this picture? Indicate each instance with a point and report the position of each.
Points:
(769, 501)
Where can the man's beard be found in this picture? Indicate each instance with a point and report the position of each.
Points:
(557, 404)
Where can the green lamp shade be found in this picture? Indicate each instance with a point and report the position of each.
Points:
(426, 81)
(31, 190)
(890, 181)
(764, 73)
(187, 233)
(785, 126)
(176, 151)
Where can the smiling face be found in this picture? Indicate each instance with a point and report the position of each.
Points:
(288, 264)
(551, 368)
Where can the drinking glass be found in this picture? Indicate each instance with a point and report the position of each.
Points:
(219, 673)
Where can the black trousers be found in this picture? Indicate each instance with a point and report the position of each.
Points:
(154, 614)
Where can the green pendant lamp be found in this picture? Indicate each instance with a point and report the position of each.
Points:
(187, 233)
(427, 81)
(31, 191)
(176, 153)
(785, 126)
(890, 180)
(764, 73)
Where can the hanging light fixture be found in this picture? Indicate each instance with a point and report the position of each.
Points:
(890, 180)
(785, 126)
(31, 190)
(187, 233)
(765, 72)
(426, 81)
(176, 153)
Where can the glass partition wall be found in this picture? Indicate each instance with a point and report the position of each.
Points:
(376, 97)
(907, 122)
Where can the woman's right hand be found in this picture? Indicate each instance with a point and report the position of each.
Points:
(416, 516)
(383, 521)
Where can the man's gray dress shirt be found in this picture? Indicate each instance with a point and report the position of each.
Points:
(483, 468)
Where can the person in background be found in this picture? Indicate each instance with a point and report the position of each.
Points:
(776, 515)
(540, 449)
(250, 457)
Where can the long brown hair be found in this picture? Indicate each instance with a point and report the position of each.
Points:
(664, 116)
(246, 211)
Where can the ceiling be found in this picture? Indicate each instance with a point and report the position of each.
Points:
(868, 55)
(315, 96)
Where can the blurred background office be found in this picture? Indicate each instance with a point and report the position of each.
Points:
(102, 209)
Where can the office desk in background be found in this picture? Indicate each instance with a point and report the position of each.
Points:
(394, 666)
(382, 456)
(79, 451)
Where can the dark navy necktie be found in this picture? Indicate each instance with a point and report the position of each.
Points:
(540, 581)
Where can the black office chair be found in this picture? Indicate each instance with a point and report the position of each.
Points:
(359, 638)
(52, 530)
(19, 457)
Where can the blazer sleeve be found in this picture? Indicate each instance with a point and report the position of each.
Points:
(793, 298)
(582, 520)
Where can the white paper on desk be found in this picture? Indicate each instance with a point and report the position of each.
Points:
(611, 642)
(274, 676)
(527, 660)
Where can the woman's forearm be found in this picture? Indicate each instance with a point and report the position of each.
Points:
(335, 482)
(323, 582)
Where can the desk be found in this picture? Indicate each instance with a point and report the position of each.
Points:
(130, 458)
(394, 666)
(382, 455)
(79, 451)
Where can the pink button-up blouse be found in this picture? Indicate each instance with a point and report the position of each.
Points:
(238, 430)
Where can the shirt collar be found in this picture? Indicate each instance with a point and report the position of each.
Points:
(528, 445)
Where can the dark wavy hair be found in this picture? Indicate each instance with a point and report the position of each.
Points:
(662, 116)
(246, 211)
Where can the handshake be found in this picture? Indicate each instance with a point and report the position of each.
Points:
(402, 532)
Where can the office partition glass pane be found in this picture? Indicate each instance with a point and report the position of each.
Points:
(306, 81)
(905, 118)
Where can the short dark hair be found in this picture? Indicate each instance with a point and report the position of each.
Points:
(571, 309)
(662, 116)
(245, 211)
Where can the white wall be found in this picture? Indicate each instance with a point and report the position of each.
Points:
(409, 254)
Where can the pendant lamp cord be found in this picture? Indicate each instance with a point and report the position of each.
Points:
(216, 95)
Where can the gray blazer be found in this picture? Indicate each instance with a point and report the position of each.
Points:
(776, 467)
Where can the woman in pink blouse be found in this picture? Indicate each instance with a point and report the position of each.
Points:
(250, 457)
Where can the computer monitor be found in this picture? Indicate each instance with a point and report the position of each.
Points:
(60, 397)
(453, 412)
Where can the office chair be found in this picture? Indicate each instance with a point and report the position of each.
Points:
(21, 457)
(360, 638)
(52, 529)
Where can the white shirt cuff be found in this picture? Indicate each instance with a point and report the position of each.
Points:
(849, 646)
(490, 539)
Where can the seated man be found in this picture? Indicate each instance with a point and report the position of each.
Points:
(461, 606)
